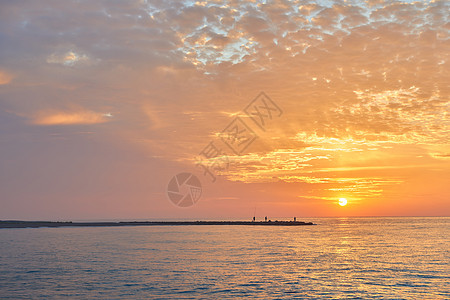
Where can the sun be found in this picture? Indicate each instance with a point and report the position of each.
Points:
(342, 201)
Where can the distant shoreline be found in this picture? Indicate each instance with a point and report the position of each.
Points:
(39, 224)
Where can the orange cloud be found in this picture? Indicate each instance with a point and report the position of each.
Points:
(70, 118)
(363, 87)
(5, 77)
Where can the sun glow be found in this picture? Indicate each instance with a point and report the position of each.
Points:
(342, 201)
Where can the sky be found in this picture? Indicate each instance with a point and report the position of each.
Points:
(278, 108)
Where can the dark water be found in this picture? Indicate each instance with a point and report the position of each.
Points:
(341, 258)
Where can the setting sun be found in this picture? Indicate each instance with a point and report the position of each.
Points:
(342, 201)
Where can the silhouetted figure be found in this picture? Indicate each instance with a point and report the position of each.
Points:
(295, 219)
(265, 219)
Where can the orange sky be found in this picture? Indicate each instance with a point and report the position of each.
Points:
(102, 103)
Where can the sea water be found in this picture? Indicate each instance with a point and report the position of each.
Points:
(340, 258)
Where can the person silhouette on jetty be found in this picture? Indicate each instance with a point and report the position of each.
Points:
(265, 219)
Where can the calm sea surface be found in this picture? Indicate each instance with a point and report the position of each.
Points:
(341, 258)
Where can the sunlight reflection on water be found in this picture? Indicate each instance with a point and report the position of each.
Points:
(404, 258)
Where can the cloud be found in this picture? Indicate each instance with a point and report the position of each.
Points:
(69, 58)
(70, 118)
(5, 77)
(362, 83)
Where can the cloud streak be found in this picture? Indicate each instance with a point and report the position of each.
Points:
(48, 118)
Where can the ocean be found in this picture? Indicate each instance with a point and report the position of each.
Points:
(340, 258)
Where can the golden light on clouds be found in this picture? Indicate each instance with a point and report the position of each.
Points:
(69, 58)
(363, 86)
(70, 118)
